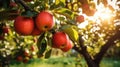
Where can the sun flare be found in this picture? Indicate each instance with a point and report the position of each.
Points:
(102, 14)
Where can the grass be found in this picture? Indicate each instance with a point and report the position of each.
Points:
(64, 62)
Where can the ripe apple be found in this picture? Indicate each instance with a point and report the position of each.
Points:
(13, 4)
(36, 32)
(19, 58)
(80, 18)
(44, 21)
(60, 40)
(90, 12)
(86, 6)
(5, 29)
(87, 10)
(68, 46)
(26, 53)
(32, 47)
(24, 25)
(26, 59)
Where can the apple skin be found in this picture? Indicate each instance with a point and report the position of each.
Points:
(87, 10)
(13, 4)
(19, 58)
(26, 54)
(68, 46)
(60, 40)
(80, 18)
(35, 32)
(44, 21)
(26, 59)
(5, 29)
(23, 25)
(32, 47)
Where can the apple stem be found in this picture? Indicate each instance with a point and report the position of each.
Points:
(26, 7)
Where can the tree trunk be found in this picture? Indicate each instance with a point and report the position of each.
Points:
(5, 62)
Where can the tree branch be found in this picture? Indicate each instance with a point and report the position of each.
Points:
(84, 52)
(26, 7)
(109, 43)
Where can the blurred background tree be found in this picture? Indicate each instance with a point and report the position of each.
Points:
(92, 25)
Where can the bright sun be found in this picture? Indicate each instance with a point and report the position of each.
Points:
(102, 14)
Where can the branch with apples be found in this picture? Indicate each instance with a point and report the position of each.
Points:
(33, 28)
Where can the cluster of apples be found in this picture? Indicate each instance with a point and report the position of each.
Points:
(26, 55)
(61, 41)
(88, 10)
(29, 26)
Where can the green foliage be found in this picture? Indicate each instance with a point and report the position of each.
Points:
(95, 31)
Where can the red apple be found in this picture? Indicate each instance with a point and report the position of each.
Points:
(5, 29)
(68, 46)
(26, 53)
(19, 58)
(80, 18)
(92, 12)
(13, 4)
(44, 21)
(32, 48)
(36, 32)
(60, 40)
(24, 25)
(26, 59)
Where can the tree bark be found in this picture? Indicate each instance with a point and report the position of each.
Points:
(95, 62)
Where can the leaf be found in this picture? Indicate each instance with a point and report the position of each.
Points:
(64, 11)
(5, 3)
(29, 14)
(48, 53)
(57, 2)
(72, 33)
(41, 44)
(42, 47)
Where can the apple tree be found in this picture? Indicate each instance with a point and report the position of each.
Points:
(32, 28)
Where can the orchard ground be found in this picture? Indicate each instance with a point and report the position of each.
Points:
(65, 62)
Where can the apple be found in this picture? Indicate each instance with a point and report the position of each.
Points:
(13, 4)
(23, 25)
(32, 48)
(60, 40)
(36, 32)
(80, 18)
(19, 58)
(26, 53)
(26, 59)
(68, 46)
(5, 29)
(44, 21)
(92, 12)
(87, 10)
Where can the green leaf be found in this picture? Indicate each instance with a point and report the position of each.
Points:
(5, 3)
(64, 11)
(41, 44)
(72, 33)
(48, 53)
(42, 47)
(29, 13)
